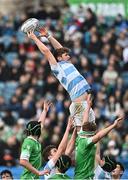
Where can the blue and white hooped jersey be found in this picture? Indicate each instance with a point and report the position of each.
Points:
(70, 78)
(101, 174)
(51, 167)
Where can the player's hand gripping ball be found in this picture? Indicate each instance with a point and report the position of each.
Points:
(30, 25)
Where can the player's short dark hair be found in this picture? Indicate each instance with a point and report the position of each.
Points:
(58, 52)
(33, 128)
(6, 171)
(110, 164)
(47, 151)
(89, 126)
(63, 163)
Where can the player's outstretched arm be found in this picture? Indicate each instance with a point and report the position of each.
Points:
(64, 141)
(44, 50)
(28, 166)
(87, 110)
(97, 157)
(105, 131)
(54, 42)
(46, 107)
(71, 143)
(43, 31)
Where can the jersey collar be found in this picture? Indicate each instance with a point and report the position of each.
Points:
(62, 62)
(91, 133)
(30, 137)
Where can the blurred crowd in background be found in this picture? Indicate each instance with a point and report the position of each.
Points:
(97, 46)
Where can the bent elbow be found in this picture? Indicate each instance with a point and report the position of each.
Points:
(22, 162)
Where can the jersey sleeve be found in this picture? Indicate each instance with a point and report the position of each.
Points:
(26, 149)
(85, 142)
(50, 165)
(89, 141)
(57, 71)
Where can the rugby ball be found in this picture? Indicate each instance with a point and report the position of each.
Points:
(29, 25)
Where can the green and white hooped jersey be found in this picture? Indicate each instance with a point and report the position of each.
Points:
(85, 158)
(31, 151)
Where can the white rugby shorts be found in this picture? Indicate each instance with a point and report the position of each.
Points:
(77, 109)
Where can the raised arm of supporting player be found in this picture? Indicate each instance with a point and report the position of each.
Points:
(64, 141)
(105, 131)
(71, 143)
(46, 107)
(97, 157)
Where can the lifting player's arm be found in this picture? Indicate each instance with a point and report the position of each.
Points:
(52, 40)
(44, 49)
(42, 118)
(105, 131)
(64, 141)
(71, 143)
(97, 157)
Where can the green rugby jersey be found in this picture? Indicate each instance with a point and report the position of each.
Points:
(60, 176)
(31, 151)
(85, 158)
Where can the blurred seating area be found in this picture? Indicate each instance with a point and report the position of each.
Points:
(98, 44)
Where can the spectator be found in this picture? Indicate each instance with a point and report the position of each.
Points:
(122, 40)
(90, 19)
(124, 153)
(110, 74)
(112, 150)
(112, 108)
(6, 174)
